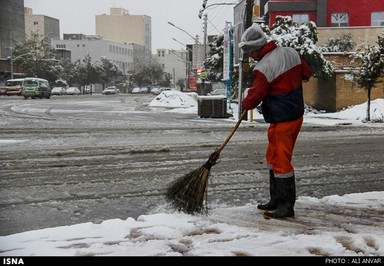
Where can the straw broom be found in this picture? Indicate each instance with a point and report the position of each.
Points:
(187, 193)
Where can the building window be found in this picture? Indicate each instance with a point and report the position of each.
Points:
(377, 19)
(339, 20)
(300, 18)
(161, 53)
(35, 23)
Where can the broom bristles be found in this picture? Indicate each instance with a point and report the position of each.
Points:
(187, 193)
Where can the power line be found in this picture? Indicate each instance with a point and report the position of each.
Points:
(218, 14)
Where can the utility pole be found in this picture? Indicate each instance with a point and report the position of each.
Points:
(228, 62)
(11, 63)
(244, 59)
(249, 14)
(205, 35)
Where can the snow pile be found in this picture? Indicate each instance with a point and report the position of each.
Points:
(354, 115)
(173, 99)
(348, 225)
(359, 112)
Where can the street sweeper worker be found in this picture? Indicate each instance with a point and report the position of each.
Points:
(277, 85)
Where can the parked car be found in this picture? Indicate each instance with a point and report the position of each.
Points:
(158, 90)
(59, 91)
(218, 92)
(2, 87)
(141, 90)
(111, 90)
(73, 91)
(14, 87)
(36, 87)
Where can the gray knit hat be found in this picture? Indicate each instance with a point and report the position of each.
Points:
(253, 38)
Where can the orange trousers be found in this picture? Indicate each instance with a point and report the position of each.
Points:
(281, 142)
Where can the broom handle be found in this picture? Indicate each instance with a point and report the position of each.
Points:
(232, 131)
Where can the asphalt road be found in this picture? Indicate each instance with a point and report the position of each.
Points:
(77, 159)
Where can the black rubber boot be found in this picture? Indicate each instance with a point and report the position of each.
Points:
(272, 204)
(286, 196)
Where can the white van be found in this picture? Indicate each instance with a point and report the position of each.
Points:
(14, 87)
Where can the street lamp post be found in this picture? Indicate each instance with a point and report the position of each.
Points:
(216, 4)
(11, 66)
(12, 59)
(197, 43)
(182, 44)
(195, 38)
(205, 6)
(188, 71)
(188, 67)
(188, 62)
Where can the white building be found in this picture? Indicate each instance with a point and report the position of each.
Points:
(175, 63)
(81, 45)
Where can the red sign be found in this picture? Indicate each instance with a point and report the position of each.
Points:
(192, 83)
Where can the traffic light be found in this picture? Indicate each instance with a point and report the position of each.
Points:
(205, 3)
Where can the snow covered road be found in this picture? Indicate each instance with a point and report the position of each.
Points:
(88, 159)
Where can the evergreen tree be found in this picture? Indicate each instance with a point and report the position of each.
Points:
(369, 67)
(37, 58)
(107, 71)
(214, 61)
(303, 38)
(87, 73)
(340, 43)
(148, 74)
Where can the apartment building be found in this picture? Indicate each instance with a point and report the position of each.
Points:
(42, 25)
(327, 13)
(11, 31)
(121, 27)
(175, 63)
(11, 25)
(96, 47)
(364, 20)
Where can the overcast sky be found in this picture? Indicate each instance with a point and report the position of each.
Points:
(78, 16)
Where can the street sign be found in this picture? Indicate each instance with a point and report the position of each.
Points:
(226, 54)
